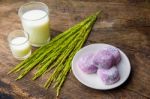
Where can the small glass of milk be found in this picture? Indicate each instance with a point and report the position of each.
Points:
(35, 21)
(19, 44)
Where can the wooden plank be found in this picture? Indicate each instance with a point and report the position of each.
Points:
(124, 23)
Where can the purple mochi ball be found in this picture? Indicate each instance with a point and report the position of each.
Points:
(109, 76)
(115, 52)
(103, 59)
(86, 64)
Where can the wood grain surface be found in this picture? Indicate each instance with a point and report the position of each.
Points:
(124, 24)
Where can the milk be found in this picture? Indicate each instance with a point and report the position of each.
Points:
(36, 23)
(20, 47)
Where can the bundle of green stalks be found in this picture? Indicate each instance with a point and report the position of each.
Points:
(57, 54)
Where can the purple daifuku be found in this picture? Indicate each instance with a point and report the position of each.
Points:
(109, 76)
(86, 64)
(115, 52)
(103, 59)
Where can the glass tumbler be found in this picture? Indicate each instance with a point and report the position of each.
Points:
(35, 21)
(19, 44)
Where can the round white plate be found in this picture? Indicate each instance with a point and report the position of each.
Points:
(91, 80)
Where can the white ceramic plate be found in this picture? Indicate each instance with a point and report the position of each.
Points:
(91, 80)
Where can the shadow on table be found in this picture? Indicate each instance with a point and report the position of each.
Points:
(5, 96)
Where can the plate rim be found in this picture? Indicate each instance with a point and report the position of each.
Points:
(96, 87)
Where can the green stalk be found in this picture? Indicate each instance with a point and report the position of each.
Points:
(52, 57)
(61, 59)
(65, 71)
(43, 48)
(62, 76)
(42, 55)
(33, 64)
(59, 68)
(67, 51)
(58, 54)
(49, 60)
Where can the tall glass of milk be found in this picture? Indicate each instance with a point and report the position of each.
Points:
(35, 21)
(19, 44)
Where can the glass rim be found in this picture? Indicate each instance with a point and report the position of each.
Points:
(26, 35)
(29, 3)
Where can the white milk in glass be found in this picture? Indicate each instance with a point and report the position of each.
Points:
(20, 47)
(36, 24)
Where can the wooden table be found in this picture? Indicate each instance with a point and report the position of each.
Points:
(124, 24)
